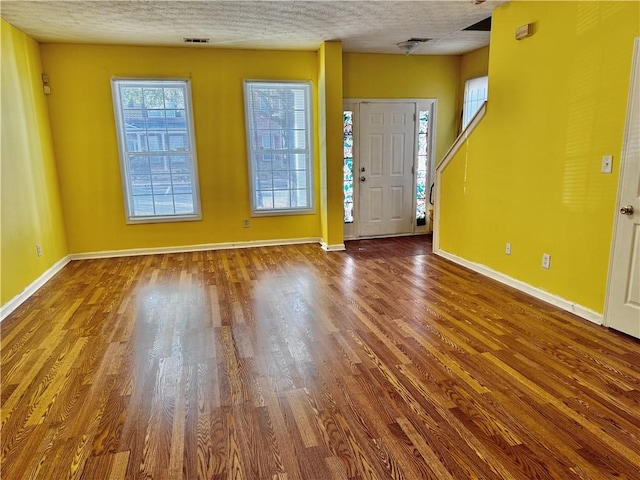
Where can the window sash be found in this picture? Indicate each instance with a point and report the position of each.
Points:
(280, 150)
(154, 124)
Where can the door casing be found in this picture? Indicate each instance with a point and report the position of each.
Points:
(429, 104)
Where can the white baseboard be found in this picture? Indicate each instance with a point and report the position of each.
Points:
(19, 299)
(538, 293)
(191, 248)
(338, 247)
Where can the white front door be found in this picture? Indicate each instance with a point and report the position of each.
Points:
(623, 298)
(385, 176)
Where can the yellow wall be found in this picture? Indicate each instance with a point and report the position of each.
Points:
(86, 147)
(530, 173)
(368, 75)
(330, 129)
(472, 65)
(30, 211)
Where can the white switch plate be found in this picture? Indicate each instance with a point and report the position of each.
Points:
(546, 261)
(507, 249)
(607, 163)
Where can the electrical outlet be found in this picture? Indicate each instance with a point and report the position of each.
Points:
(607, 164)
(245, 223)
(507, 249)
(546, 261)
(38, 249)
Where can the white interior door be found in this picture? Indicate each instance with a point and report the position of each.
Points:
(385, 176)
(623, 298)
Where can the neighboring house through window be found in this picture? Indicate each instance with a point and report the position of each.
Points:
(157, 149)
(278, 118)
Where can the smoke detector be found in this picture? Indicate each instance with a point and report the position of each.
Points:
(410, 45)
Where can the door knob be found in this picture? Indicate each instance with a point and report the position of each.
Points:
(627, 210)
(362, 178)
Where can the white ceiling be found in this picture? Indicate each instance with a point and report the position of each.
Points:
(363, 26)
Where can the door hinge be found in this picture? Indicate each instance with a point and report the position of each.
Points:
(413, 170)
(414, 117)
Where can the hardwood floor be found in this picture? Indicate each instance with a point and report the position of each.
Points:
(383, 361)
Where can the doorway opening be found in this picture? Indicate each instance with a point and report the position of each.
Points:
(388, 167)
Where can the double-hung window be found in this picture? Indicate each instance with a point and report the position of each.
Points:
(157, 149)
(278, 120)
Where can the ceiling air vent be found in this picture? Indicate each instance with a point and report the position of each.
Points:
(195, 40)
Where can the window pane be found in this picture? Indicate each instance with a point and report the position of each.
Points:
(181, 184)
(178, 142)
(265, 181)
(176, 120)
(264, 200)
(298, 179)
(131, 97)
(174, 97)
(134, 120)
(163, 204)
(264, 162)
(281, 199)
(280, 162)
(140, 184)
(161, 184)
(158, 164)
(143, 205)
(348, 165)
(155, 142)
(180, 164)
(154, 117)
(299, 198)
(153, 98)
(281, 180)
(278, 128)
(184, 203)
(298, 161)
(139, 165)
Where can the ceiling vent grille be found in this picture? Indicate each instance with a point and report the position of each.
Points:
(195, 40)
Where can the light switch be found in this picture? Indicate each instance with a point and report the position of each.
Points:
(607, 163)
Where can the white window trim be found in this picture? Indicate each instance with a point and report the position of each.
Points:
(310, 148)
(124, 171)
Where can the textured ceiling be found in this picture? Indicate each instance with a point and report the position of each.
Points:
(363, 26)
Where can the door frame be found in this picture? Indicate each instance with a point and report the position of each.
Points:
(625, 159)
(353, 104)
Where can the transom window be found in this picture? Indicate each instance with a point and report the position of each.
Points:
(278, 117)
(157, 149)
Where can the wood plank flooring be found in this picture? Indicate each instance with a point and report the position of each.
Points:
(381, 362)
